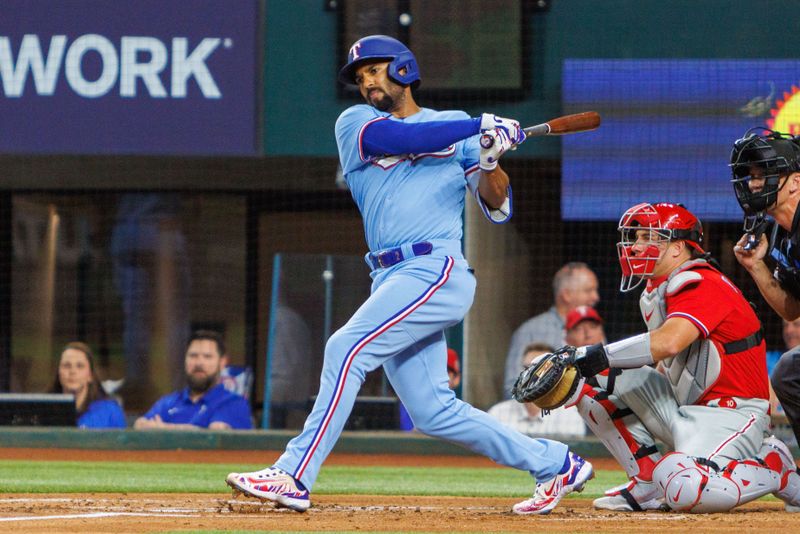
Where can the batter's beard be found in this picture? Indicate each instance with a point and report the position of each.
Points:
(384, 103)
(201, 385)
(387, 100)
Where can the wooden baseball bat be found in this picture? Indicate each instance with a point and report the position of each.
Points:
(568, 124)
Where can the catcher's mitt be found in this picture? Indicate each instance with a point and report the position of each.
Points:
(550, 382)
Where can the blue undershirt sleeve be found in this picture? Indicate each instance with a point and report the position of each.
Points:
(391, 137)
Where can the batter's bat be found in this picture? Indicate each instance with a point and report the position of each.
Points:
(568, 124)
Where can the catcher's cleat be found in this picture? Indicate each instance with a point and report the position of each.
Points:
(789, 489)
(271, 484)
(634, 496)
(547, 494)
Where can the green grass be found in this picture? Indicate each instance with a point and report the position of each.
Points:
(17, 476)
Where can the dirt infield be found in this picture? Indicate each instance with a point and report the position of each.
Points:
(157, 513)
(124, 513)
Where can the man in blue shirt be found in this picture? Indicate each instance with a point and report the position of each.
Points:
(408, 169)
(204, 403)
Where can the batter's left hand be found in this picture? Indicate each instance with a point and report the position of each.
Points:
(501, 143)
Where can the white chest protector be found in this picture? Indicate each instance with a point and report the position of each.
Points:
(697, 367)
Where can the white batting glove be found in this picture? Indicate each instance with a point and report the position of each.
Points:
(490, 121)
(501, 143)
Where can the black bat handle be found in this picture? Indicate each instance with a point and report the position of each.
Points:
(539, 129)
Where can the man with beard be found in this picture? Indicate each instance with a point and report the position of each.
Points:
(204, 403)
(408, 169)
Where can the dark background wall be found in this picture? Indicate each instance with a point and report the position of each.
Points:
(286, 199)
(301, 59)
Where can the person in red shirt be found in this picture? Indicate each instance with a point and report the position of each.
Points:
(696, 380)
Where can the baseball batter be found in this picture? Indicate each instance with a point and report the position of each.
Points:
(408, 169)
(708, 400)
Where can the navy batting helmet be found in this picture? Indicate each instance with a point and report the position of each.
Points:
(381, 47)
(764, 157)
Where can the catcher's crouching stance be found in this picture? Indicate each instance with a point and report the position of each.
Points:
(707, 399)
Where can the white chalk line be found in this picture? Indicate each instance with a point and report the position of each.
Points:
(43, 499)
(93, 515)
(192, 512)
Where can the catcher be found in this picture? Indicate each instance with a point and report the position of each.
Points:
(708, 398)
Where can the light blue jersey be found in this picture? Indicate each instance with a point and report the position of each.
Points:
(412, 206)
(396, 193)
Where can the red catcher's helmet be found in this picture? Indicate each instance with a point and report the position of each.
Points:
(665, 222)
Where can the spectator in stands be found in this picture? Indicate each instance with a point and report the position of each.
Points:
(791, 340)
(574, 285)
(584, 326)
(77, 375)
(791, 333)
(527, 418)
(204, 403)
(454, 380)
(453, 369)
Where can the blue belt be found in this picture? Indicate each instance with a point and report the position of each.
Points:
(392, 256)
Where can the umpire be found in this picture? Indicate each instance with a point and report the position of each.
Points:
(766, 179)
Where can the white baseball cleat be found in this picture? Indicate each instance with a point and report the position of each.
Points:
(548, 494)
(271, 484)
(789, 489)
(634, 496)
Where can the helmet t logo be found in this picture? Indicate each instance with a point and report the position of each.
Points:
(381, 48)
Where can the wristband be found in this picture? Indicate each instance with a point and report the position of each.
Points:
(631, 352)
(591, 360)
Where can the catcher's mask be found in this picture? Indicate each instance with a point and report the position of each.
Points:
(643, 228)
(757, 163)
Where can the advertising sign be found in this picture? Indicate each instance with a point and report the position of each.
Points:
(123, 77)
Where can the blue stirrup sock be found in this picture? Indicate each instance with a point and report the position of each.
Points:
(565, 467)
